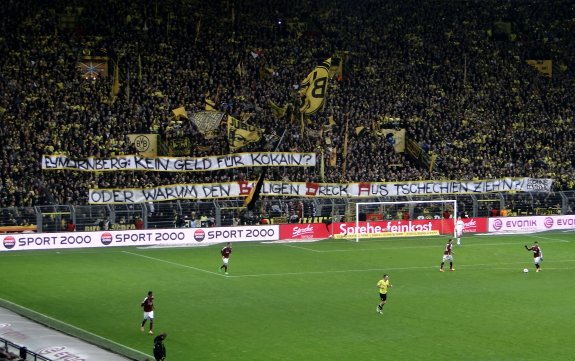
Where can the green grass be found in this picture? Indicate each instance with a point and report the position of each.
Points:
(315, 301)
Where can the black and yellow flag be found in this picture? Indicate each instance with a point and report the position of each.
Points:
(254, 194)
(344, 153)
(314, 88)
(278, 112)
(210, 104)
(359, 130)
(139, 67)
(545, 67)
(116, 84)
(241, 134)
(240, 69)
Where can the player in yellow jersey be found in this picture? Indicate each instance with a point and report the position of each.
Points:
(383, 286)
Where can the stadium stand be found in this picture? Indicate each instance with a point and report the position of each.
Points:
(453, 74)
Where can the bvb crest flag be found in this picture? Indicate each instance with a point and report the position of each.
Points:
(314, 88)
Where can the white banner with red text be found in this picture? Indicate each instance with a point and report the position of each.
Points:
(331, 190)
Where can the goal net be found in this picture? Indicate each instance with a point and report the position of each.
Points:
(403, 219)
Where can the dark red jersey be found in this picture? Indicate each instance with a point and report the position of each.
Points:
(226, 252)
(447, 250)
(536, 251)
(148, 304)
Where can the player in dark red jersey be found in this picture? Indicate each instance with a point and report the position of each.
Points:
(447, 256)
(537, 255)
(148, 305)
(226, 252)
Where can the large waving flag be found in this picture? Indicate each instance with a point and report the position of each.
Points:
(314, 88)
(241, 134)
(254, 195)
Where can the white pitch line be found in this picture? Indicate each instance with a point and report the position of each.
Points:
(74, 327)
(173, 263)
(382, 269)
(418, 247)
(548, 238)
(304, 248)
(328, 272)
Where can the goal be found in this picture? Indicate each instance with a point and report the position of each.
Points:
(403, 218)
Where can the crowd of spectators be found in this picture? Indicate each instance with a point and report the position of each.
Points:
(460, 90)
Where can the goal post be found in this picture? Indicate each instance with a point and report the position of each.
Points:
(404, 218)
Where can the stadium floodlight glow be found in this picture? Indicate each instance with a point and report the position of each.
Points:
(431, 208)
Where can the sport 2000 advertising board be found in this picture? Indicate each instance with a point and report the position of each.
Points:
(156, 237)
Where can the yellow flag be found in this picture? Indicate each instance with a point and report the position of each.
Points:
(241, 70)
(278, 112)
(322, 167)
(139, 67)
(314, 88)
(345, 140)
(545, 67)
(180, 112)
(333, 157)
(210, 104)
(344, 153)
(116, 84)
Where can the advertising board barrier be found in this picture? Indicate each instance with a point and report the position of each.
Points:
(156, 237)
(531, 224)
(305, 231)
(206, 236)
(394, 228)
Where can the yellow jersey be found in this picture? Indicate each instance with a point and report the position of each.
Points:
(383, 286)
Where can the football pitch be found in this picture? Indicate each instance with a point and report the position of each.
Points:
(313, 300)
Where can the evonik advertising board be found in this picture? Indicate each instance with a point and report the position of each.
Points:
(156, 237)
(531, 224)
